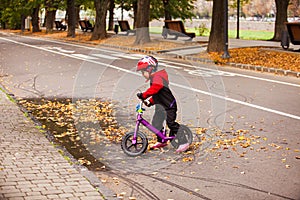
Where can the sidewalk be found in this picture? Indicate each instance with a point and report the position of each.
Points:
(32, 168)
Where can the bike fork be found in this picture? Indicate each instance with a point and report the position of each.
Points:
(136, 130)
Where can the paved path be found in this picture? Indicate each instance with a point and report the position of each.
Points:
(30, 166)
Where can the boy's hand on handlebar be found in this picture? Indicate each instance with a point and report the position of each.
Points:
(147, 103)
(140, 95)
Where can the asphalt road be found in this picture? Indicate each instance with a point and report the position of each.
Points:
(225, 99)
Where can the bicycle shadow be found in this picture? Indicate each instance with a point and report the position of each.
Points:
(112, 156)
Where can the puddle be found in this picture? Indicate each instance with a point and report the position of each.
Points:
(64, 120)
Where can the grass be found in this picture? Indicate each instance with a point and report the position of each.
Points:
(244, 34)
(252, 35)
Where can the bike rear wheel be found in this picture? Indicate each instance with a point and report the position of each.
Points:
(184, 135)
(134, 149)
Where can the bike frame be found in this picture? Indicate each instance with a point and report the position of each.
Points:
(141, 120)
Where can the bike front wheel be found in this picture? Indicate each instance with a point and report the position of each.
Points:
(134, 149)
(184, 135)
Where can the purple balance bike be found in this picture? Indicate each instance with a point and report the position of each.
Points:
(136, 143)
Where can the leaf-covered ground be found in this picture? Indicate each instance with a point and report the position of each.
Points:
(59, 116)
(258, 56)
(262, 56)
(87, 122)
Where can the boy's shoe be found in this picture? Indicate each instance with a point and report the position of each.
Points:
(158, 145)
(183, 147)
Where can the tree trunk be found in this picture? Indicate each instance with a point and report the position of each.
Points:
(111, 15)
(35, 19)
(50, 13)
(281, 18)
(23, 18)
(142, 23)
(71, 18)
(167, 13)
(216, 38)
(50, 20)
(77, 15)
(135, 8)
(100, 23)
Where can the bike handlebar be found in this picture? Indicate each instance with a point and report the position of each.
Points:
(139, 107)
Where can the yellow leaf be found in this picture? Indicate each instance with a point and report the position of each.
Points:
(241, 137)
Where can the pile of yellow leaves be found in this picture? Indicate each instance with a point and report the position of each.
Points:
(261, 56)
(66, 117)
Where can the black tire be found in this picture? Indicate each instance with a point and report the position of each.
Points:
(134, 149)
(183, 136)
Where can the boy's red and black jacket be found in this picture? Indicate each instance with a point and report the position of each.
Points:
(159, 90)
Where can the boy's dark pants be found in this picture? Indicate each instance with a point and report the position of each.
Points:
(169, 115)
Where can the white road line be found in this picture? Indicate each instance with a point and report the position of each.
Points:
(83, 56)
(70, 44)
(170, 66)
(175, 84)
(236, 74)
(63, 50)
(208, 73)
(237, 101)
(129, 56)
(105, 56)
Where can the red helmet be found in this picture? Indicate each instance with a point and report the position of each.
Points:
(148, 63)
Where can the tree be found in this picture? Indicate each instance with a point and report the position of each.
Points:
(71, 18)
(258, 7)
(281, 18)
(101, 7)
(142, 23)
(51, 8)
(168, 9)
(111, 14)
(216, 38)
(3, 14)
(35, 19)
(203, 8)
(295, 8)
(172, 9)
(128, 5)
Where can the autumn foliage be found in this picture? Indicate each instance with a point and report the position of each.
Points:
(261, 56)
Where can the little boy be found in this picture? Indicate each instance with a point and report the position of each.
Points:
(161, 96)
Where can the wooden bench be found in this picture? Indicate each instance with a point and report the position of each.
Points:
(292, 34)
(59, 26)
(124, 26)
(85, 25)
(177, 29)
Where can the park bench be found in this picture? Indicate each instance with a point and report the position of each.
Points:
(59, 26)
(291, 35)
(124, 26)
(177, 29)
(85, 25)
